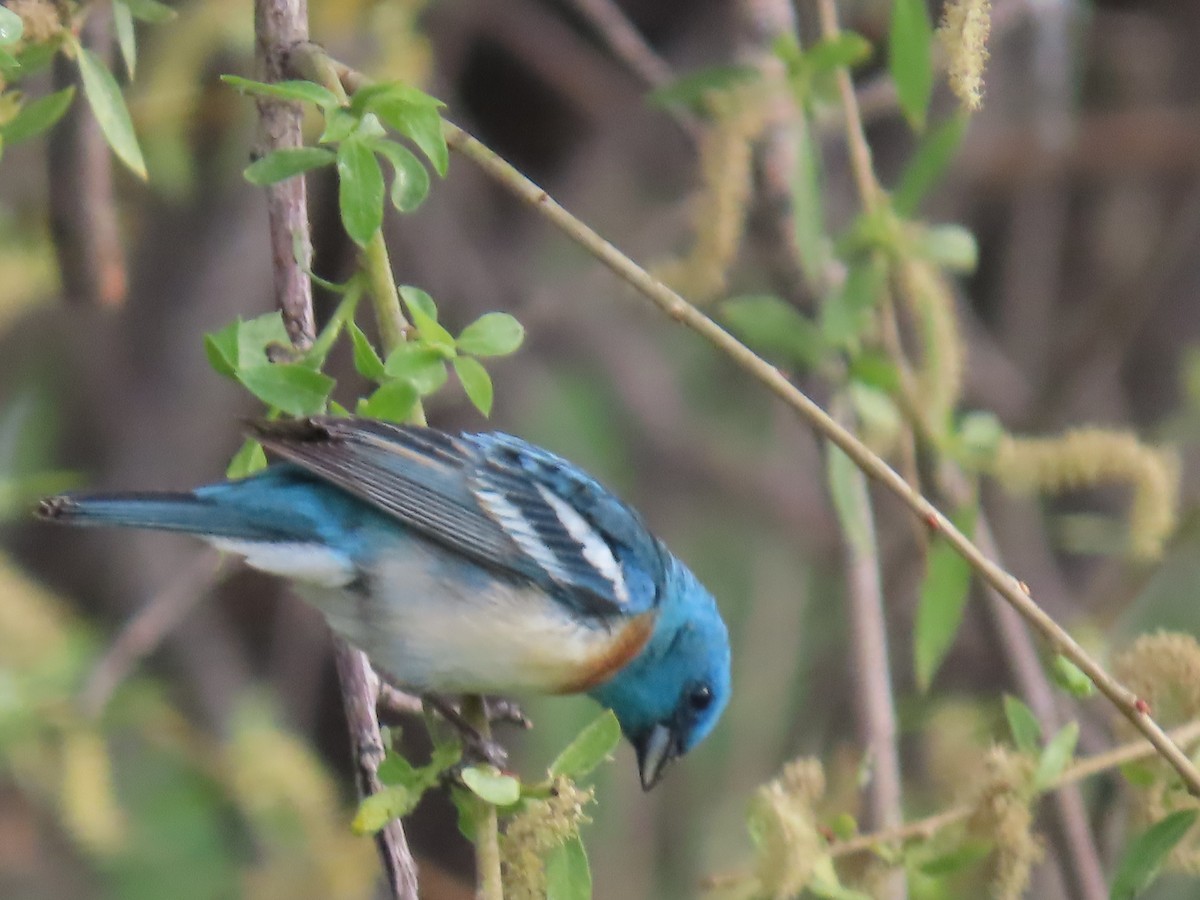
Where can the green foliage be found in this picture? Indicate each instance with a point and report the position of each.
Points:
(774, 329)
(360, 189)
(33, 118)
(910, 58)
(942, 601)
(281, 164)
(691, 91)
(1025, 728)
(491, 785)
(928, 165)
(1147, 852)
(1070, 677)
(590, 748)
(104, 96)
(1056, 756)
(568, 875)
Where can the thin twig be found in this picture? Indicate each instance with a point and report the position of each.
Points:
(146, 629)
(677, 308)
(281, 25)
(873, 696)
(83, 211)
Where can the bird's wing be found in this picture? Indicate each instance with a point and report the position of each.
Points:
(493, 498)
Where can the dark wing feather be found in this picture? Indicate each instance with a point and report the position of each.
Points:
(489, 497)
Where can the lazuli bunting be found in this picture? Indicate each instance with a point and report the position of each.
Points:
(474, 563)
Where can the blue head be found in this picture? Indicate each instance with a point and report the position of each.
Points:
(669, 698)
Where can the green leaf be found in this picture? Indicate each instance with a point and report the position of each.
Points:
(967, 854)
(412, 113)
(423, 312)
(952, 247)
(492, 334)
(290, 387)
(280, 164)
(475, 381)
(848, 48)
(422, 367)
(221, 347)
(109, 108)
(1056, 757)
(978, 438)
(910, 59)
(932, 158)
(1139, 774)
(846, 483)
(1148, 851)
(126, 39)
(11, 27)
(692, 89)
(775, 329)
(256, 336)
(1025, 728)
(808, 205)
(490, 784)
(366, 360)
(568, 875)
(410, 179)
(340, 123)
(591, 747)
(360, 190)
(942, 601)
(469, 809)
(375, 811)
(848, 313)
(150, 11)
(34, 118)
(1070, 677)
(393, 401)
(249, 459)
(302, 91)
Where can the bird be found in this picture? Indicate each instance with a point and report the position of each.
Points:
(464, 563)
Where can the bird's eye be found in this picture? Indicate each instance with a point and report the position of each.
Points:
(701, 697)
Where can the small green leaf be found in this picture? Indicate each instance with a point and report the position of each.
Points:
(475, 381)
(967, 854)
(568, 875)
(775, 329)
(221, 347)
(1139, 774)
(1056, 757)
(979, 436)
(375, 811)
(808, 204)
(423, 312)
(360, 190)
(848, 48)
(846, 482)
(942, 601)
(410, 179)
(933, 156)
(280, 164)
(150, 11)
(492, 334)
(126, 39)
(1070, 677)
(910, 59)
(849, 312)
(422, 367)
(302, 91)
(1148, 851)
(469, 809)
(844, 826)
(249, 459)
(340, 123)
(11, 27)
(490, 784)
(34, 118)
(591, 747)
(392, 401)
(1025, 728)
(290, 387)
(410, 112)
(690, 90)
(875, 369)
(952, 247)
(108, 105)
(256, 336)
(366, 360)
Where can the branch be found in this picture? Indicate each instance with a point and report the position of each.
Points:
(280, 25)
(678, 309)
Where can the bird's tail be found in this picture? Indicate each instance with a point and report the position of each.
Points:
(181, 511)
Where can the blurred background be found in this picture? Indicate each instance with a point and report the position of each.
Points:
(221, 768)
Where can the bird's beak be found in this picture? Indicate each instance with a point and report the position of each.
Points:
(654, 750)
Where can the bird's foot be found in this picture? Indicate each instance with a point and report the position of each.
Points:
(476, 747)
